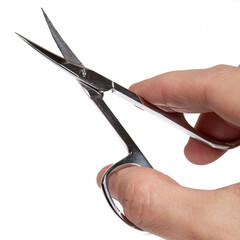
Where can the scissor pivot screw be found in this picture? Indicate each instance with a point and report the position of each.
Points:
(83, 72)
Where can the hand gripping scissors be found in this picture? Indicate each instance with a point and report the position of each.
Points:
(95, 85)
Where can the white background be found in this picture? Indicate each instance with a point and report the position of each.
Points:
(53, 140)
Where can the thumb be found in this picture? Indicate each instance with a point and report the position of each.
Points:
(157, 204)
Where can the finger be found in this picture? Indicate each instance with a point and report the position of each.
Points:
(215, 89)
(157, 204)
(178, 90)
(130, 188)
(215, 127)
(100, 174)
(111, 184)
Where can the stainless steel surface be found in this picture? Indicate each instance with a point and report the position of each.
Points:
(68, 54)
(95, 85)
(63, 47)
(84, 75)
(135, 156)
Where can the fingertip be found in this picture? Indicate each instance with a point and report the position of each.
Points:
(211, 125)
(101, 173)
(201, 154)
(137, 87)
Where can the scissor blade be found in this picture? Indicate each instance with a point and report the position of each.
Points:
(84, 75)
(72, 69)
(67, 52)
(63, 47)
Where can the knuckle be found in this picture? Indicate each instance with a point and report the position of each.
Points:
(222, 68)
(220, 71)
(213, 76)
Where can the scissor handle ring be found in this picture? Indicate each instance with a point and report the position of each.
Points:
(133, 159)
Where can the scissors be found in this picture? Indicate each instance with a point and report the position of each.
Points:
(95, 85)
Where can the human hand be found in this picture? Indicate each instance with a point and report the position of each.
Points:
(161, 206)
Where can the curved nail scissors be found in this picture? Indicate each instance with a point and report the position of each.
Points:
(95, 85)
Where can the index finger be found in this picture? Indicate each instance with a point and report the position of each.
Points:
(190, 91)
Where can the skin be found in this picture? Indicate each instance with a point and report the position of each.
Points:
(156, 203)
